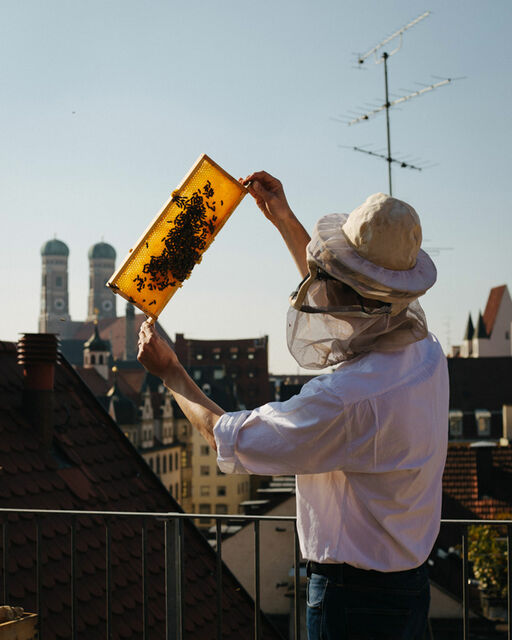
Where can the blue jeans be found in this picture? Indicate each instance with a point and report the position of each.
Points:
(353, 604)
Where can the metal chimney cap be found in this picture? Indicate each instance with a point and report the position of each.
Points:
(38, 348)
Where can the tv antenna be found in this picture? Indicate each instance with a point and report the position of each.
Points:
(382, 55)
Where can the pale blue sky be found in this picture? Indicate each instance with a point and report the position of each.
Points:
(106, 105)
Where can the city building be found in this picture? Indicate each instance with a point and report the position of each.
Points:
(490, 338)
(243, 361)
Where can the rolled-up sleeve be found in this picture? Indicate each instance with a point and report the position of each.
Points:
(225, 433)
(306, 434)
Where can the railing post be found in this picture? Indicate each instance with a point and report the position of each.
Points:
(74, 598)
(145, 608)
(257, 616)
(465, 584)
(173, 580)
(108, 578)
(5, 559)
(296, 583)
(39, 578)
(218, 538)
(509, 582)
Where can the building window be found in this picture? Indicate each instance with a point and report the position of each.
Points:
(204, 490)
(250, 355)
(184, 459)
(170, 462)
(170, 490)
(483, 422)
(204, 450)
(199, 356)
(158, 465)
(204, 470)
(93, 359)
(176, 459)
(176, 489)
(216, 356)
(151, 463)
(218, 374)
(164, 464)
(507, 335)
(250, 374)
(197, 374)
(221, 491)
(204, 507)
(185, 489)
(221, 508)
(58, 281)
(455, 420)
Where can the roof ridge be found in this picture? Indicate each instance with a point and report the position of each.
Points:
(7, 346)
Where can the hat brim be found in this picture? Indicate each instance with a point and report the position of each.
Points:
(330, 249)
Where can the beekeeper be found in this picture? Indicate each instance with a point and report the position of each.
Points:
(368, 441)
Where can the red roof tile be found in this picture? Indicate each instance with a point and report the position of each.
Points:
(114, 330)
(94, 467)
(492, 307)
(477, 482)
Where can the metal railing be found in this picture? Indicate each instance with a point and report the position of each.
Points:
(173, 543)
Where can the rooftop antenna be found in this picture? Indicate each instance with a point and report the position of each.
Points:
(382, 55)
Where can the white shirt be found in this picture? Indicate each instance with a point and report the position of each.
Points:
(368, 446)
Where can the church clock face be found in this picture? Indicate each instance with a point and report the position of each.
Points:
(59, 304)
(107, 305)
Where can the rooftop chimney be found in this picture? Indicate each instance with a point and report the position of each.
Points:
(38, 353)
(507, 425)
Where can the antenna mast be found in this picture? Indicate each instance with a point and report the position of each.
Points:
(387, 104)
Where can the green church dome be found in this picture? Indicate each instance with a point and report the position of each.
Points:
(102, 250)
(54, 248)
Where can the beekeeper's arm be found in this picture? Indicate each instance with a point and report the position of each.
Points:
(157, 356)
(270, 198)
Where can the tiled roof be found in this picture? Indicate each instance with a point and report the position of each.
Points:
(492, 307)
(477, 482)
(112, 329)
(92, 466)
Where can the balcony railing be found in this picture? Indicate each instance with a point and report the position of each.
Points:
(174, 569)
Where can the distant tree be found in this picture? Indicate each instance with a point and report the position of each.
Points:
(487, 551)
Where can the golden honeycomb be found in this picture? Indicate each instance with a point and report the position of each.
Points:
(176, 240)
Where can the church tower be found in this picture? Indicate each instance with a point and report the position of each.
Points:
(101, 300)
(54, 287)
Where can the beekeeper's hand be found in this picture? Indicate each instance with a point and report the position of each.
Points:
(269, 195)
(155, 354)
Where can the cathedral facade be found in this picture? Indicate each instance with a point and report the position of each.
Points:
(54, 315)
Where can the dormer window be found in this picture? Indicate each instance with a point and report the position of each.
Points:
(483, 422)
(455, 421)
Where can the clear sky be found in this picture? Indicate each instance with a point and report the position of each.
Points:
(106, 104)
